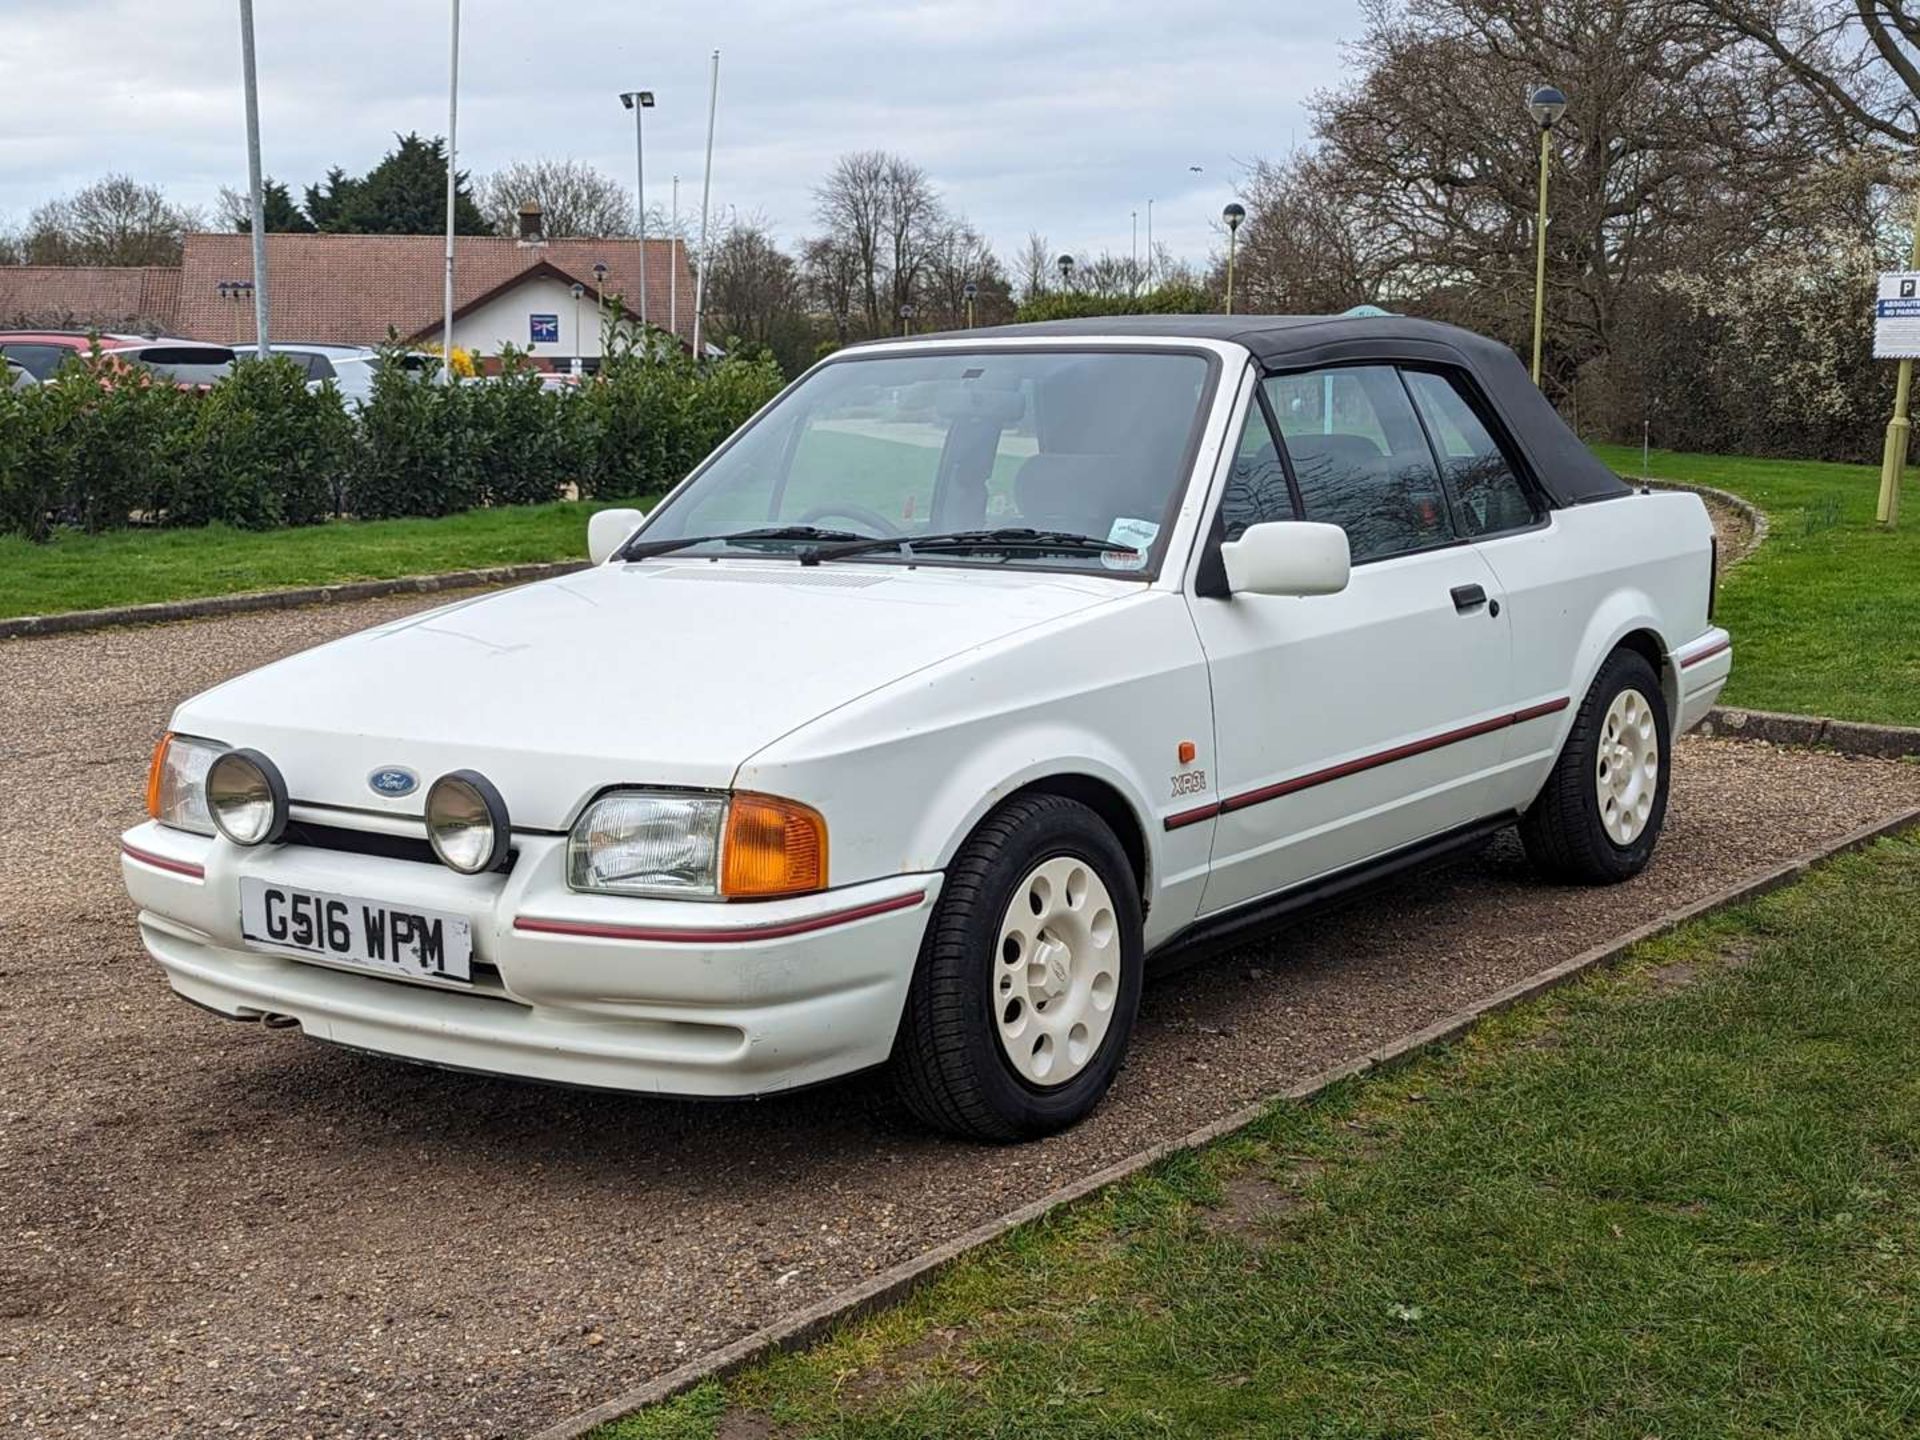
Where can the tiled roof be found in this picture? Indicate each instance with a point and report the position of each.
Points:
(347, 289)
(132, 297)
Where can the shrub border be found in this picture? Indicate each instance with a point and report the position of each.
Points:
(891, 1286)
(249, 601)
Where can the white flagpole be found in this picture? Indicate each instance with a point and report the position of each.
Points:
(453, 115)
(255, 202)
(706, 194)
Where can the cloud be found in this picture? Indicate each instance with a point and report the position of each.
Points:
(1062, 117)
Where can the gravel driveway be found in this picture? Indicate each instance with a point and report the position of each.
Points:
(208, 1227)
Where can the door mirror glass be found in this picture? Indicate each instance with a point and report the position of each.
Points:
(608, 530)
(1288, 557)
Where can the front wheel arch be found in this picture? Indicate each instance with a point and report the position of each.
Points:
(1112, 807)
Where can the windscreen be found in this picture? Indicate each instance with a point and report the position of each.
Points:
(1091, 443)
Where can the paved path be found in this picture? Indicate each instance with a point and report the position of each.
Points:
(212, 1228)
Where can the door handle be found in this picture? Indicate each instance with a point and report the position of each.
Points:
(1468, 597)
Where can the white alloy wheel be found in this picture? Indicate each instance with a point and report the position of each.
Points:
(1056, 971)
(1627, 770)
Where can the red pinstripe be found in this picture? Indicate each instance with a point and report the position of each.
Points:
(738, 934)
(1362, 763)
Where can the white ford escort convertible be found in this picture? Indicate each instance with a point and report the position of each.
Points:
(972, 677)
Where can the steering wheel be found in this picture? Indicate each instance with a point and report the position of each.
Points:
(842, 511)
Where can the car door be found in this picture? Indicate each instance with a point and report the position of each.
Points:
(1348, 725)
(1547, 581)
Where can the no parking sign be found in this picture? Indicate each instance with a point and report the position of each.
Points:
(1896, 317)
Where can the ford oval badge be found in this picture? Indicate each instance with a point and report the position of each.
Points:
(393, 781)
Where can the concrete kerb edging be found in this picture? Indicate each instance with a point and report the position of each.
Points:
(891, 1286)
(1848, 737)
(255, 600)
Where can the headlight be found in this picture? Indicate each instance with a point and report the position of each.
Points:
(467, 822)
(176, 782)
(635, 842)
(632, 843)
(247, 797)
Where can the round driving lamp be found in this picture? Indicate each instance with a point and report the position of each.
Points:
(247, 797)
(467, 822)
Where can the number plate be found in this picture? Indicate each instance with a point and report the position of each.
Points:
(386, 939)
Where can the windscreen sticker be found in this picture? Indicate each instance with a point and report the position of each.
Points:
(1129, 531)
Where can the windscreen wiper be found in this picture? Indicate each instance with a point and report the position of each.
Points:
(1006, 539)
(771, 534)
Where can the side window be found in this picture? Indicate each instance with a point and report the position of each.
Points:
(1257, 484)
(319, 367)
(1362, 459)
(1492, 499)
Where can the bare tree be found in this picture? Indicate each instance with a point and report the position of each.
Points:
(882, 210)
(752, 286)
(1674, 144)
(1302, 249)
(114, 221)
(1859, 60)
(957, 257)
(852, 206)
(1109, 276)
(915, 221)
(1034, 267)
(830, 273)
(577, 200)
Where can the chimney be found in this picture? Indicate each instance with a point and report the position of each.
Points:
(531, 229)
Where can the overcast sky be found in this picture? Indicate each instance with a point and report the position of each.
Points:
(1062, 116)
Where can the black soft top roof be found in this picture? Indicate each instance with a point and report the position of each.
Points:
(1565, 468)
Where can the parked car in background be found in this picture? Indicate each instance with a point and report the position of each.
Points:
(974, 675)
(42, 352)
(18, 377)
(186, 362)
(350, 367)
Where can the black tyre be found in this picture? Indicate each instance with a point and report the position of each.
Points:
(1028, 980)
(1599, 815)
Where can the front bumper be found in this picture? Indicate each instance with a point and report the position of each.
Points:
(662, 996)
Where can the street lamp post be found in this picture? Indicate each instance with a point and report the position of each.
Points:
(578, 291)
(1546, 105)
(1233, 215)
(640, 101)
(968, 292)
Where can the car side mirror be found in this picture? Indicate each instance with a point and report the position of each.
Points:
(608, 530)
(1288, 557)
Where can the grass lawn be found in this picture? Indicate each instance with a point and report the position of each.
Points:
(1826, 616)
(132, 567)
(1678, 1199)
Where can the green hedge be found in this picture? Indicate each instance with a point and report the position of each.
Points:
(1178, 299)
(102, 446)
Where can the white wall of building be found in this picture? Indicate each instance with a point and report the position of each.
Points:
(508, 317)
